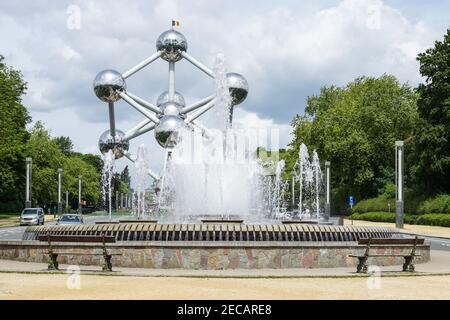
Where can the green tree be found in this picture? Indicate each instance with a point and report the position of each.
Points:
(432, 136)
(13, 136)
(73, 167)
(65, 144)
(47, 158)
(355, 127)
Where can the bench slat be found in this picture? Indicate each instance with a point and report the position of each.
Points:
(88, 239)
(391, 241)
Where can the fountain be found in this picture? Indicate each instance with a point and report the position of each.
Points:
(219, 206)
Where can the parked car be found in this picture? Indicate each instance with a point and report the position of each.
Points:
(70, 218)
(32, 216)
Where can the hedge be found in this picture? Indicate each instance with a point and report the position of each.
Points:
(439, 204)
(413, 204)
(431, 219)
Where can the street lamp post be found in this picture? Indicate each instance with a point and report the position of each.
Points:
(117, 201)
(327, 203)
(79, 195)
(67, 200)
(59, 191)
(28, 182)
(399, 156)
(293, 191)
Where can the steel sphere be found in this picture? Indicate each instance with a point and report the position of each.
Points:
(118, 145)
(171, 108)
(167, 132)
(238, 87)
(164, 97)
(108, 84)
(171, 43)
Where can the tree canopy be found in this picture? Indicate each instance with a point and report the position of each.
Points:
(13, 136)
(355, 127)
(432, 135)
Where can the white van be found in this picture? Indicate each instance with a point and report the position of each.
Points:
(32, 216)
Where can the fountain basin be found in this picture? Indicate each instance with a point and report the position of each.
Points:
(228, 232)
(213, 246)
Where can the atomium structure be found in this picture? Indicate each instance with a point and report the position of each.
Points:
(170, 114)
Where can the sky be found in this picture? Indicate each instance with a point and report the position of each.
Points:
(287, 50)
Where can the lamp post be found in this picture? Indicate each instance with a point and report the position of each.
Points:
(327, 203)
(399, 156)
(117, 201)
(79, 195)
(59, 191)
(28, 182)
(67, 201)
(293, 191)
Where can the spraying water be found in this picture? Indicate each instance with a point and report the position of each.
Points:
(309, 175)
(141, 165)
(279, 190)
(216, 176)
(107, 174)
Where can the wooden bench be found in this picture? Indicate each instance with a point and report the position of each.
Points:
(408, 265)
(53, 254)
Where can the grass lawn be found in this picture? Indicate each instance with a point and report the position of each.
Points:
(11, 219)
(8, 215)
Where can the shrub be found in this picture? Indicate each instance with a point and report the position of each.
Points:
(439, 204)
(11, 206)
(432, 219)
(379, 204)
(374, 216)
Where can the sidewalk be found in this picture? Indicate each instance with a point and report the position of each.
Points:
(432, 231)
(32, 281)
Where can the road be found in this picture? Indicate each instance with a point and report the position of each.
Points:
(15, 233)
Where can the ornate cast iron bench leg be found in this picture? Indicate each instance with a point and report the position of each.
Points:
(107, 266)
(408, 266)
(362, 265)
(52, 262)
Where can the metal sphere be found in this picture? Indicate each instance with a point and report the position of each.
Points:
(171, 109)
(238, 87)
(164, 97)
(171, 43)
(117, 144)
(167, 132)
(108, 84)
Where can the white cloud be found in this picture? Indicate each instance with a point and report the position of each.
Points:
(286, 50)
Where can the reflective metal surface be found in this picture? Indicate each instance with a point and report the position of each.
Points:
(164, 97)
(171, 109)
(167, 132)
(171, 43)
(107, 85)
(238, 87)
(118, 145)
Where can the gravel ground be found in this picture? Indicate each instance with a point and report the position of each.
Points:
(51, 286)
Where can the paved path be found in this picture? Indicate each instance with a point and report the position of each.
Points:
(72, 286)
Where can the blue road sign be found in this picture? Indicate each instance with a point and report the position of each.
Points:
(351, 200)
